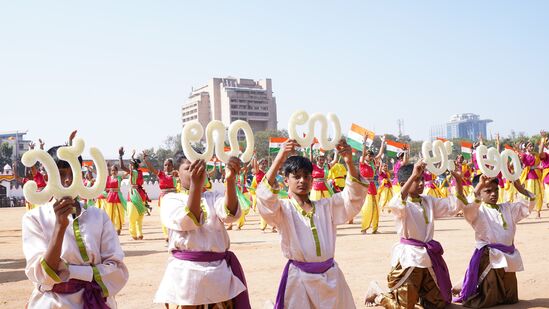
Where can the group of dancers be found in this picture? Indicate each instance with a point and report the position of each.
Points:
(305, 199)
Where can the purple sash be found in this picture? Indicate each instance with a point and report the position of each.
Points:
(311, 268)
(435, 251)
(470, 282)
(242, 301)
(92, 296)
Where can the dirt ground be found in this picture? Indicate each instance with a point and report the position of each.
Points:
(361, 257)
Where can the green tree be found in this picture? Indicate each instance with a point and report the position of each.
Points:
(262, 141)
(6, 150)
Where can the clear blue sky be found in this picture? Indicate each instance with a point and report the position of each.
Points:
(120, 70)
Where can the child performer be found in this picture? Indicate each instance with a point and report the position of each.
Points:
(337, 174)
(544, 158)
(259, 168)
(311, 278)
(418, 272)
(490, 279)
(31, 174)
(370, 210)
(115, 203)
(384, 190)
(201, 272)
(167, 181)
(137, 197)
(402, 159)
(73, 255)
(531, 175)
(321, 187)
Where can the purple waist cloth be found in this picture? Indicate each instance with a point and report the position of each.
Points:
(92, 296)
(242, 301)
(308, 267)
(470, 282)
(435, 251)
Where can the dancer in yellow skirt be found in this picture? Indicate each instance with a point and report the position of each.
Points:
(384, 190)
(115, 204)
(137, 197)
(430, 185)
(368, 164)
(243, 198)
(337, 174)
(531, 175)
(321, 188)
(167, 181)
(544, 158)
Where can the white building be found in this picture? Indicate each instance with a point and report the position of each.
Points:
(229, 99)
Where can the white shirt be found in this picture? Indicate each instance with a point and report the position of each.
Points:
(416, 221)
(184, 282)
(298, 242)
(489, 229)
(102, 246)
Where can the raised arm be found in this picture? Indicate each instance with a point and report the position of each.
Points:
(149, 165)
(363, 155)
(542, 141)
(198, 176)
(406, 156)
(334, 159)
(311, 157)
(287, 148)
(121, 160)
(381, 148)
(232, 170)
(72, 136)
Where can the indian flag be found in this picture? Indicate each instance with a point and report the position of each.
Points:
(466, 149)
(275, 143)
(442, 139)
(506, 146)
(394, 148)
(358, 135)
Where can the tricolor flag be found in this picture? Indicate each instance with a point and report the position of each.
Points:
(466, 150)
(506, 146)
(358, 135)
(215, 162)
(275, 143)
(442, 139)
(394, 148)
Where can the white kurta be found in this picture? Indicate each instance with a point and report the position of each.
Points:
(102, 246)
(304, 290)
(410, 222)
(488, 226)
(197, 283)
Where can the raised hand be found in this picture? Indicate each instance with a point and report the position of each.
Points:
(232, 168)
(419, 168)
(197, 171)
(121, 151)
(345, 151)
(31, 145)
(41, 143)
(62, 209)
(72, 136)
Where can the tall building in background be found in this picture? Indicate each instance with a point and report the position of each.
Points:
(229, 99)
(462, 126)
(16, 139)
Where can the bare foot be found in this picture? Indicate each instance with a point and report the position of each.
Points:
(230, 227)
(364, 231)
(375, 232)
(373, 291)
